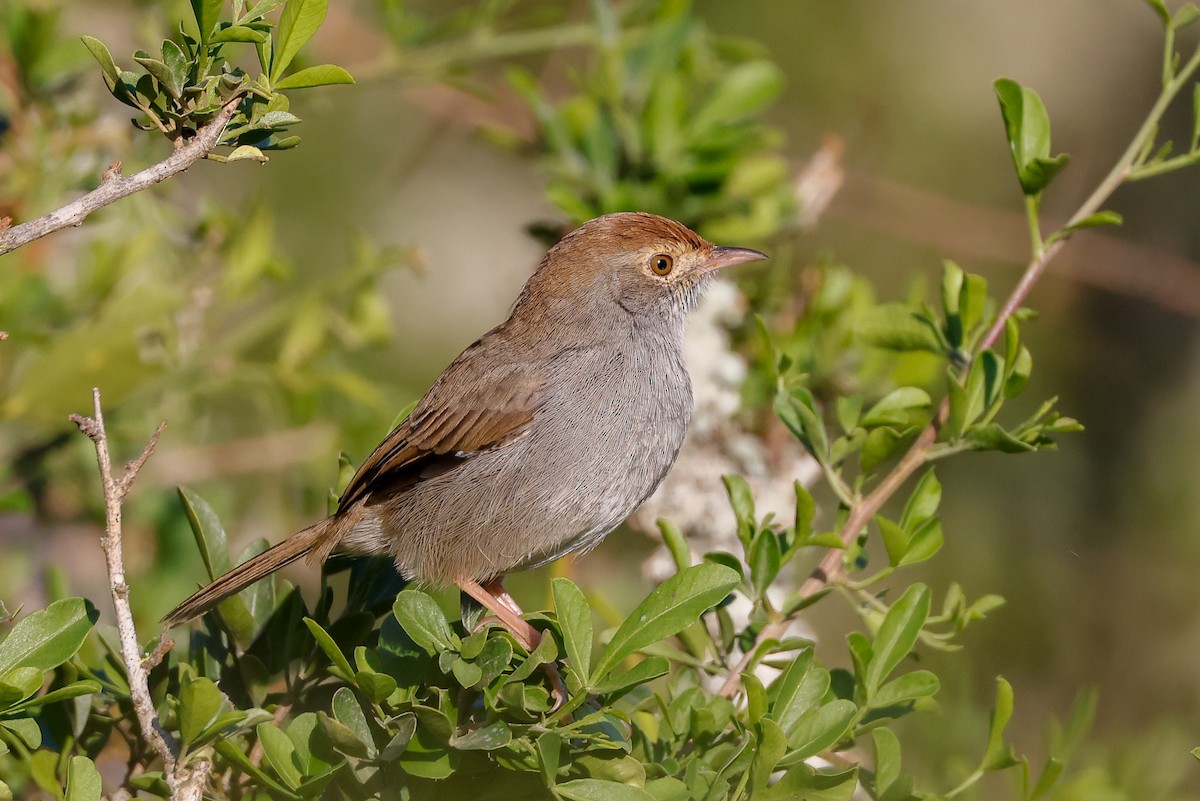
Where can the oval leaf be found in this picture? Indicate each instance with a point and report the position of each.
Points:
(668, 609)
(322, 75)
(48, 637)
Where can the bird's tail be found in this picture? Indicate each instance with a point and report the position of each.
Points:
(316, 542)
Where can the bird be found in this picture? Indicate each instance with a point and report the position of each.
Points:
(537, 440)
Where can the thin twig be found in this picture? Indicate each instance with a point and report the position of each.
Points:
(114, 186)
(186, 781)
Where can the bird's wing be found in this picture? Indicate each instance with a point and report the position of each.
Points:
(484, 400)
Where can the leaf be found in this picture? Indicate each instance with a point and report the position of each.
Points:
(48, 637)
(600, 790)
(83, 780)
(575, 621)
(104, 58)
(668, 609)
(999, 755)
(742, 501)
(992, 437)
(925, 542)
(331, 649)
(1027, 127)
(897, 634)
(895, 326)
(422, 619)
(73, 690)
(909, 687)
(348, 713)
(820, 728)
(797, 410)
(199, 704)
(1097, 220)
(280, 752)
(206, 12)
(247, 153)
(549, 746)
(648, 669)
(323, 75)
(923, 503)
(1160, 8)
(765, 559)
(806, 509)
(744, 90)
(797, 690)
(487, 738)
(208, 532)
(893, 408)
(297, 24)
(238, 33)
(895, 539)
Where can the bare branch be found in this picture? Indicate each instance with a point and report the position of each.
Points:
(114, 186)
(186, 781)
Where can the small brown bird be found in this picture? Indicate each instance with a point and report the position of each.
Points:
(541, 437)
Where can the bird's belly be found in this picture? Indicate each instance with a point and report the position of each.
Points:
(582, 469)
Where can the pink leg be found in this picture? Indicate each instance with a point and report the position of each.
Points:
(496, 600)
(506, 611)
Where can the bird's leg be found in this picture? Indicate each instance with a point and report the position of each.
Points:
(496, 600)
(506, 611)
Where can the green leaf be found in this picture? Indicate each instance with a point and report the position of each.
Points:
(668, 609)
(994, 438)
(803, 782)
(742, 501)
(323, 75)
(1186, 15)
(83, 780)
(206, 12)
(297, 24)
(887, 759)
(893, 408)
(923, 503)
(26, 729)
(575, 620)
(423, 621)
(1160, 8)
(208, 532)
(104, 58)
(897, 634)
(744, 90)
(1097, 220)
(999, 755)
(797, 410)
(806, 509)
(19, 684)
(199, 704)
(486, 738)
(280, 753)
(879, 445)
(648, 669)
(48, 637)
(348, 713)
(909, 687)
(925, 542)
(797, 690)
(895, 539)
(895, 326)
(73, 690)
(1027, 127)
(765, 559)
(820, 728)
(549, 747)
(247, 153)
(340, 663)
(238, 33)
(600, 790)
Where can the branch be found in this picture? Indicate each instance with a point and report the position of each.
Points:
(114, 186)
(186, 781)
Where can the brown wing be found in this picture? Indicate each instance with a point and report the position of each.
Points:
(484, 400)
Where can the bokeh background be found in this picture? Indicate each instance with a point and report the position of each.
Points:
(409, 226)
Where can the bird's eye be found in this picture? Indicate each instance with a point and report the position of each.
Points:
(661, 264)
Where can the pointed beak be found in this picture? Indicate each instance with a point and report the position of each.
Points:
(727, 257)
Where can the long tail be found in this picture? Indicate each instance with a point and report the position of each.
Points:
(316, 541)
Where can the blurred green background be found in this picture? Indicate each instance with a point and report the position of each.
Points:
(406, 230)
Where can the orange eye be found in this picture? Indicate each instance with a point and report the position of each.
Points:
(661, 264)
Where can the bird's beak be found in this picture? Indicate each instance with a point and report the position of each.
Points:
(727, 257)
